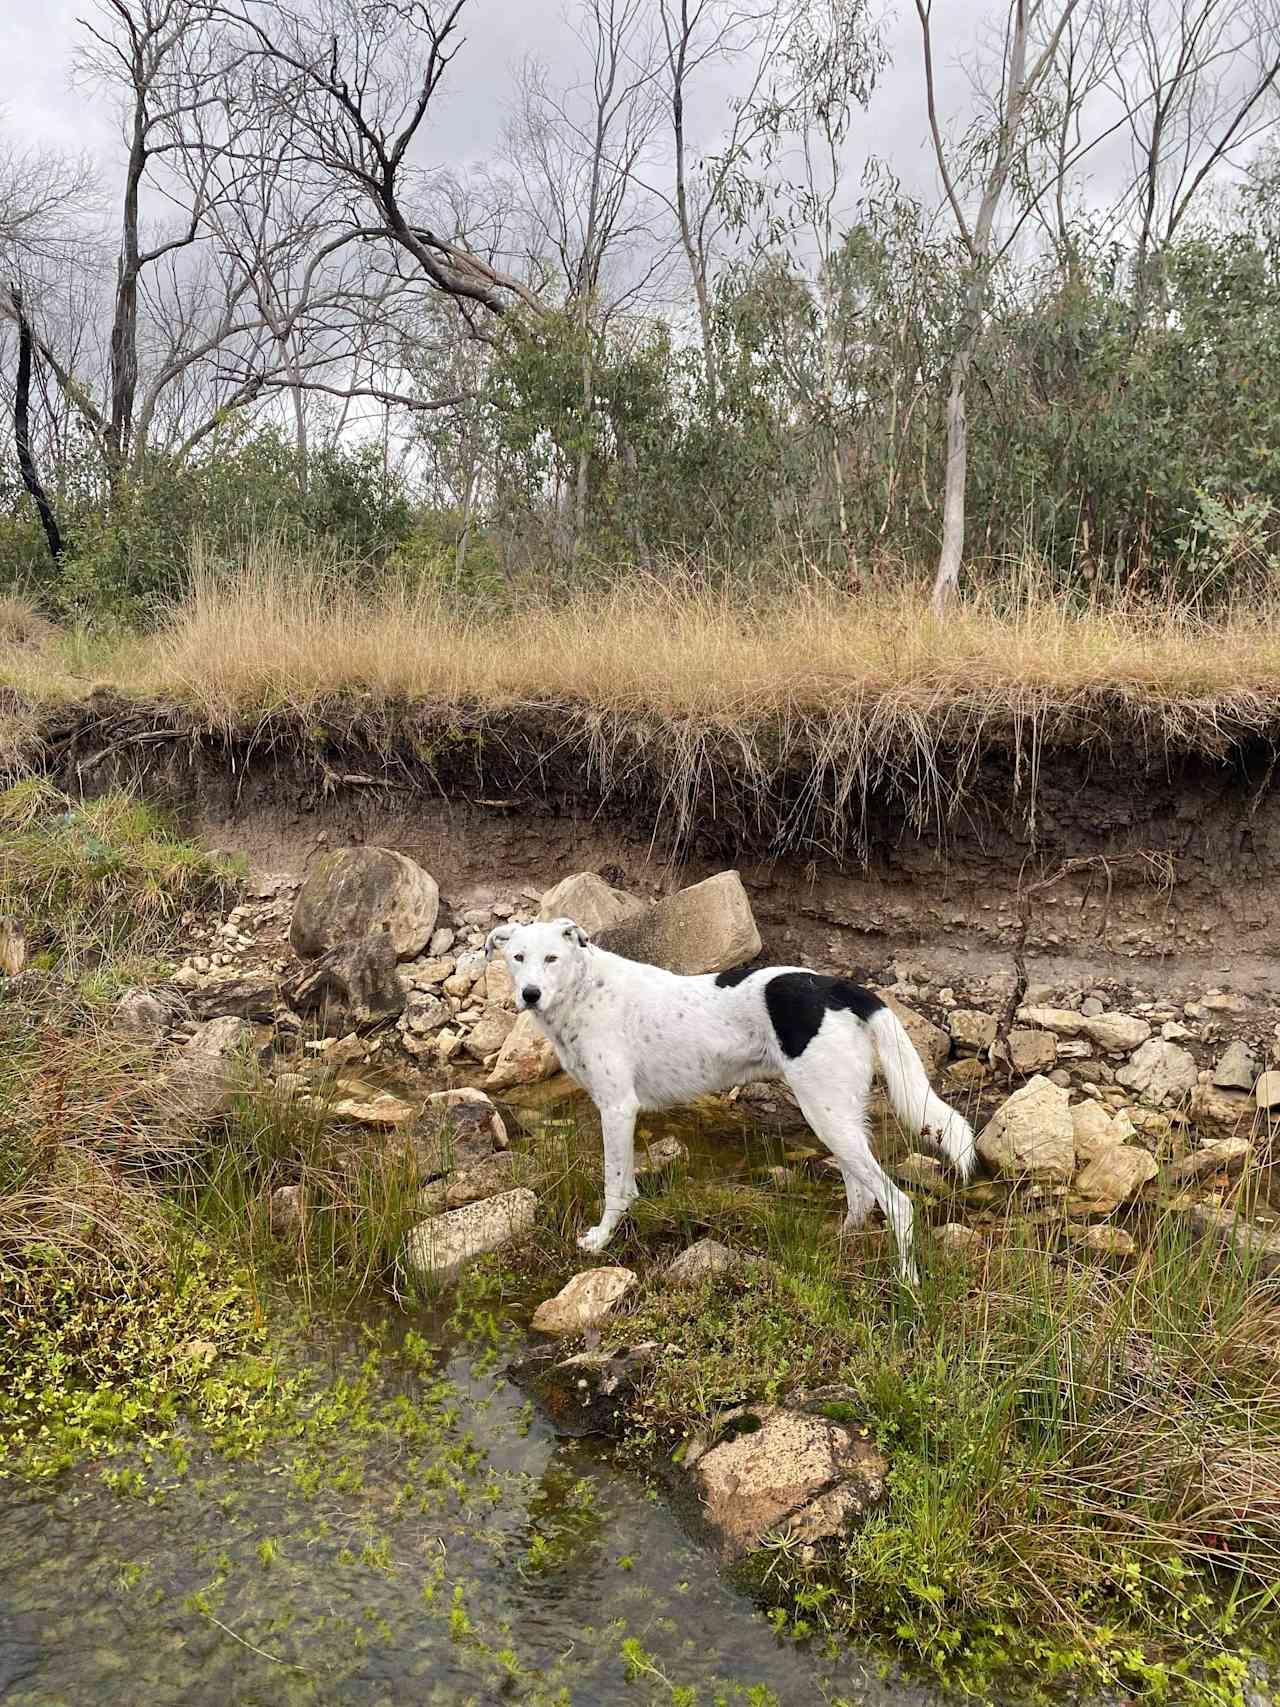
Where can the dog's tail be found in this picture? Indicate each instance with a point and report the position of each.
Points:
(912, 1096)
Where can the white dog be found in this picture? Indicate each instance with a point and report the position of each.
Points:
(636, 1037)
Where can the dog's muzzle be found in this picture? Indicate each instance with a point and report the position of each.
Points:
(531, 995)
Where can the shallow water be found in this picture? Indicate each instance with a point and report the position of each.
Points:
(521, 1583)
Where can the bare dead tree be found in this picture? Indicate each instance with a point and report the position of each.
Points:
(352, 83)
(578, 153)
(1033, 36)
(1197, 81)
(22, 429)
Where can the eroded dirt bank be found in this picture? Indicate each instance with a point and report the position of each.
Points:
(1089, 854)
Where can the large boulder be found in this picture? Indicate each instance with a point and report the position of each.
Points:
(209, 1071)
(354, 892)
(583, 1301)
(526, 1056)
(355, 984)
(1159, 1072)
(438, 1248)
(589, 901)
(1031, 1133)
(708, 927)
(776, 1469)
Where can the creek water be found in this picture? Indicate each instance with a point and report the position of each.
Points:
(536, 1570)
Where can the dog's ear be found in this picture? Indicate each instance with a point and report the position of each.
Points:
(572, 932)
(496, 938)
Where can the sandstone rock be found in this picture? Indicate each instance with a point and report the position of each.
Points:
(923, 1171)
(1095, 1130)
(368, 1106)
(962, 1241)
(1031, 1051)
(1116, 1033)
(1226, 1002)
(583, 1301)
(428, 973)
(463, 1120)
(358, 892)
(1114, 1175)
(589, 1393)
(1062, 1022)
(1257, 1246)
(209, 1072)
(478, 1180)
(490, 1033)
(142, 1013)
(441, 1246)
(778, 1469)
(447, 1045)
(1237, 1068)
(246, 995)
(423, 1013)
(971, 1029)
(442, 940)
(1031, 1133)
(499, 991)
(970, 1071)
(663, 1153)
(589, 901)
(287, 1208)
(1160, 1072)
(1266, 1093)
(526, 1055)
(1110, 1241)
(706, 928)
(354, 984)
(1224, 1112)
(1223, 1155)
(933, 1045)
(704, 1257)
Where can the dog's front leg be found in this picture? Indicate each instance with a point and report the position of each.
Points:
(619, 1126)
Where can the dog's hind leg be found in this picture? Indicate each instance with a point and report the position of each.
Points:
(831, 1081)
(618, 1125)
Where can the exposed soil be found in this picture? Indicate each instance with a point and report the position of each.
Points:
(1091, 857)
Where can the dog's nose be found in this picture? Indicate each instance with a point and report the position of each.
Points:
(531, 994)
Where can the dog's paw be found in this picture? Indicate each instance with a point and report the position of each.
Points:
(595, 1240)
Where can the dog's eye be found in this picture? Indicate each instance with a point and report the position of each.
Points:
(552, 958)
(519, 959)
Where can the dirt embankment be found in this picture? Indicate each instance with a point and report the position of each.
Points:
(1086, 854)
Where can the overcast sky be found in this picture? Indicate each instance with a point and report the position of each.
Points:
(40, 105)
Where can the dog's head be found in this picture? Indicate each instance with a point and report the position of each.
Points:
(545, 960)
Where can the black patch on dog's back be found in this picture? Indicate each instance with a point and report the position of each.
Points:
(735, 975)
(798, 1002)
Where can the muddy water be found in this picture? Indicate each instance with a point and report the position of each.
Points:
(544, 1574)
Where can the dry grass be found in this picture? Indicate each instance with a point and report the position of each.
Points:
(703, 687)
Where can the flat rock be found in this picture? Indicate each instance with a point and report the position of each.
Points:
(369, 1106)
(589, 901)
(489, 1033)
(662, 1153)
(704, 1257)
(777, 1469)
(440, 1247)
(357, 892)
(933, 1045)
(527, 1055)
(971, 1029)
(708, 927)
(1031, 1134)
(1159, 1072)
(1222, 1156)
(246, 995)
(1116, 1033)
(1237, 1068)
(471, 1184)
(1031, 1051)
(583, 1301)
(1115, 1174)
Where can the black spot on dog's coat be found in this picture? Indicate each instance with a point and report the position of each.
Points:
(798, 1002)
(734, 976)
